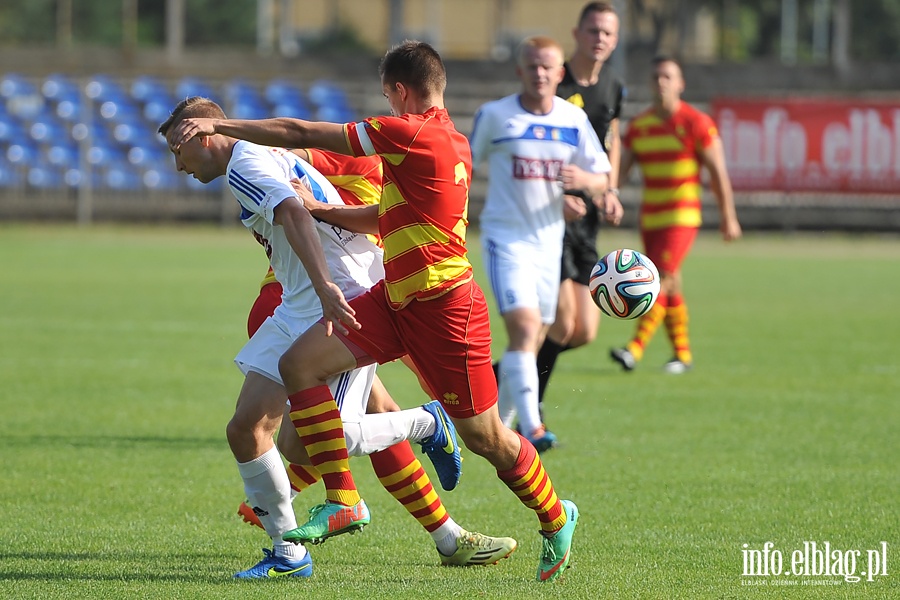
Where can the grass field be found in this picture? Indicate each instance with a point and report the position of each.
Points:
(117, 382)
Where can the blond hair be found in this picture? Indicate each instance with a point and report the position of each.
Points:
(538, 42)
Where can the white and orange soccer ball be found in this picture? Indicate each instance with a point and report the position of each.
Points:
(624, 284)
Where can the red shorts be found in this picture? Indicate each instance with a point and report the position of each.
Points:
(668, 247)
(268, 300)
(448, 338)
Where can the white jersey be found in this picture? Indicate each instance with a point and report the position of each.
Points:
(524, 153)
(259, 177)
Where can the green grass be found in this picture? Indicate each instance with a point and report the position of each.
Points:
(117, 382)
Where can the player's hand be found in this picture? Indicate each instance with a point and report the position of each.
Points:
(573, 208)
(305, 194)
(190, 128)
(731, 229)
(612, 208)
(336, 312)
(572, 177)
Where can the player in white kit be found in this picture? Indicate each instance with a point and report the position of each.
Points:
(310, 259)
(536, 146)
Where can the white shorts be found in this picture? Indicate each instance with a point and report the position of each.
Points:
(262, 353)
(524, 275)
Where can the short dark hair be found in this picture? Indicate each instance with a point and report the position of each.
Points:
(416, 65)
(189, 108)
(664, 58)
(598, 7)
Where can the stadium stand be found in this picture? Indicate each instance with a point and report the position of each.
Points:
(53, 130)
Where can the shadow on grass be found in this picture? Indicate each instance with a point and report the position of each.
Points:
(119, 576)
(112, 567)
(112, 441)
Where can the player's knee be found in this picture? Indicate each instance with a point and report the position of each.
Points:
(240, 435)
(564, 330)
(294, 372)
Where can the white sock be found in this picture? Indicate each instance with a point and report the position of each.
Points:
(445, 537)
(506, 402)
(289, 550)
(382, 430)
(268, 491)
(520, 387)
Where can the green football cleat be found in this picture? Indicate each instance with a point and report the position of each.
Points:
(478, 549)
(556, 550)
(328, 520)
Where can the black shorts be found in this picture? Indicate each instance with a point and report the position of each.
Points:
(580, 248)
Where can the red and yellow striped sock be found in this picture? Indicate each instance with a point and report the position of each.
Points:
(402, 475)
(318, 422)
(647, 326)
(302, 476)
(677, 328)
(528, 480)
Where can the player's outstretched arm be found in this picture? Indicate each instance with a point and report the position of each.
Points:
(300, 231)
(352, 217)
(281, 131)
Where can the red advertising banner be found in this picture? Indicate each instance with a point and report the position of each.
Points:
(811, 144)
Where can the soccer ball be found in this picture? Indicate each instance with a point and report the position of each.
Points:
(624, 284)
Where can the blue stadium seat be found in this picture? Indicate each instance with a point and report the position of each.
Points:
(288, 109)
(62, 154)
(22, 153)
(334, 114)
(119, 111)
(147, 157)
(101, 154)
(13, 84)
(47, 129)
(122, 176)
(324, 92)
(160, 179)
(69, 109)
(58, 87)
(247, 110)
(135, 133)
(45, 177)
(158, 108)
(22, 98)
(102, 88)
(11, 130)
(193, 185)
(145, 87)
(194, 86)
(96, 131)
(282, 90)
(239, 89)
(73, 178)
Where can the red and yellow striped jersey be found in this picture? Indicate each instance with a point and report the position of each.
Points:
(668, 153)
(423, 214)
(357, 179)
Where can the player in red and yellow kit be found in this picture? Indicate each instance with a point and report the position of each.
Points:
(671, 142)
(359, 182)
(428, 305)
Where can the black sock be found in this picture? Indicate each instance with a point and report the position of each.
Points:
(546, 360)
